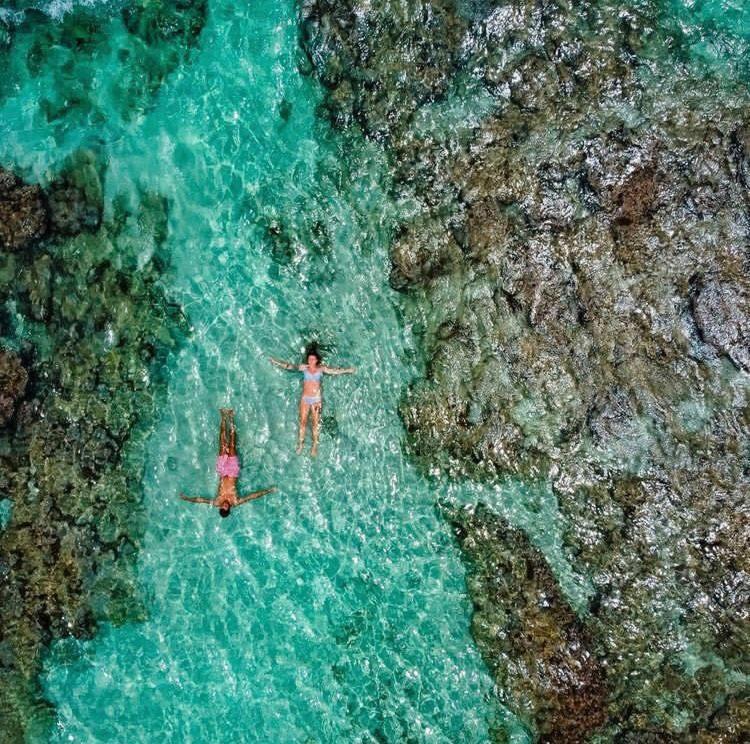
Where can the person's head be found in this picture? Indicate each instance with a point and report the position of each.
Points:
(224, 508)
(312, 356)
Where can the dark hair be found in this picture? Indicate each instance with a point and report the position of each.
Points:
(312, 350)
(224, 511)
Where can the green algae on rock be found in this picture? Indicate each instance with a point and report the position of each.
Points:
(86, 313)
(580, 256)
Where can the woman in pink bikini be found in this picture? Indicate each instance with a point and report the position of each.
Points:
(312, 394)
(228, 469)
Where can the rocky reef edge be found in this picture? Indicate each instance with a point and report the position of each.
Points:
(86, 328)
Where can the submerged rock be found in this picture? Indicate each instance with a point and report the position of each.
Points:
(13, 379)
(381, 62)
(75, 196)
(419, 256)
(162, 20)
(5, 35)
(722, 315)
(75, 52)
(539, 652)
(67, 553)
(23, 212)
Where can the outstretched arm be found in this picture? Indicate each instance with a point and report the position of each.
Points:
(196, 499)
(283, 365)
(255, 495)
(339, 370)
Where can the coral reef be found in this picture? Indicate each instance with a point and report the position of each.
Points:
(75, 196)
(13, 380)
(351, 51)
(538, 650)
(23, 213)
(580, 257)
(87, 330)
(559, 673)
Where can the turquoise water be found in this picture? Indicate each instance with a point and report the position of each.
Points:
(715, 34)
(334, 610)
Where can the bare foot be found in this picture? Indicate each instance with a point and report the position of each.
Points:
(314, 450)
(299, 448)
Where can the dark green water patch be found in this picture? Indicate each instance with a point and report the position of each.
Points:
(290, 238)
(71, 57)
(85, 329)
(577, 259)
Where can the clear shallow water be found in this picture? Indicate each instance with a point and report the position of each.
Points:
(714, 33)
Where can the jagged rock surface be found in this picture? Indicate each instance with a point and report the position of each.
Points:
(541, 654)
(13, 380)
(96, 332)
(23, 212)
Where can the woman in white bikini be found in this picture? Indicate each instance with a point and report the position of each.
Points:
(312, 394)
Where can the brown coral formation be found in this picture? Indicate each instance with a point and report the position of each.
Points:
(96, 332)
(13, 380)
(581, 255)
(531, 638)
(23, 212)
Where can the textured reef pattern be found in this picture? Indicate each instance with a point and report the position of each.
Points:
(578, 259)
(86, 330)
(572, 185)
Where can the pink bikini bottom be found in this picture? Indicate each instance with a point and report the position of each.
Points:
(228, 466)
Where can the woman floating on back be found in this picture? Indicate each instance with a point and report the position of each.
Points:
(312, 393)
(228, 470)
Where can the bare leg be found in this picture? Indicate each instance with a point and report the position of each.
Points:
(222, 432)
(227, 443)
(232, 435)
(315, 428)
(304, 409)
